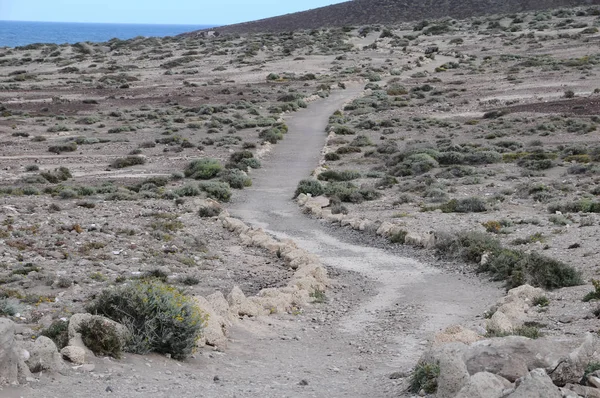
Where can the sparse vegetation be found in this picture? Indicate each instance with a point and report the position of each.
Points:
(159, 317)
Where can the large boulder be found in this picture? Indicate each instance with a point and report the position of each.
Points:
(455, 334)
(43, 355)
(453, 371)
(8, 357)
(215, 328)
(579, 390)
(75, 339)
(572, 367)
(513, 356)
(75, 354)
(537, 384)
(484, 385)
(241, 305)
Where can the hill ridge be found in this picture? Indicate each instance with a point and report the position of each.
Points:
(365, 12)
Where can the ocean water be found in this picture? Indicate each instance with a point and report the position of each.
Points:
(18, 33)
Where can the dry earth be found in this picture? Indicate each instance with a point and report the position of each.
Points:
(165, 102)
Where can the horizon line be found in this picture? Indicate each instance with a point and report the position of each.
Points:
(117, 23)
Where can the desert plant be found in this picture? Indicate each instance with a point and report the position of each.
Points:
(467, 205)
(216, 190)
(594, 294)
(58, 149)
(424, 377)
(102, 337)
(128, 161)
(203, 169)
(237, 179)
(58, 331)
(58, 175)
(332, 175)
(160, 318)
(308, 186)
(9, 306)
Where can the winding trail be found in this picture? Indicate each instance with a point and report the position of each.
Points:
(412, 300)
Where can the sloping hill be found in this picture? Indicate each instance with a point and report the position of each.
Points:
(364, 12)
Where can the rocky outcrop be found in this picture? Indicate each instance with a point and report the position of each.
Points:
(76, 350)
(9, 357)
(43, 355)
(514, 366)
(511, 311)
(536, 384)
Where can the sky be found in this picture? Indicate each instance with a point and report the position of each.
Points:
(191, 12)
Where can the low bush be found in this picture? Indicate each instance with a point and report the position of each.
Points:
(58, 331)
(236, 179)
(515, 267)
(424, 377)
(594, 294)
(216, 190)
(128, 161)
(308, 186)
(273, 134)
(332, 156)
(58, 175)
(160, 318)
(583, 206)
(9, 306)
(467, 205)
(58, 149)
(332, 175)
(203, 169)
(102, 337)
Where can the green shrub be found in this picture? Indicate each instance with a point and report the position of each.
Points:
(467, 205)
(128, 161)
(308, 186)
(332, 175)
(273, 134)
(515, 267)
(424, 377)
(216, 190)
(594, 294)
(203, 169)
(483, 157)
(237, 179)
(159, 317)
(58, 149)
(583, 206)
(102, 337)
(398, 237)
(187, 190)
(332, 156)
(58, 331)
(9, 306)
(361, 140)
(209, 211)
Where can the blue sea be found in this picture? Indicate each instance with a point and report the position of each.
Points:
(19, 33)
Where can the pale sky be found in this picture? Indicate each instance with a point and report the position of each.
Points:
(193, 12)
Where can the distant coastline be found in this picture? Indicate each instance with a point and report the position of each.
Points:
(21, 33)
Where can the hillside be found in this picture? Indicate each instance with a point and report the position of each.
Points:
(364, 12)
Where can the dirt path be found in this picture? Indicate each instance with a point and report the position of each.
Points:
(379, 313)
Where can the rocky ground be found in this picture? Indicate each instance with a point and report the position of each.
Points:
(99, 189)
